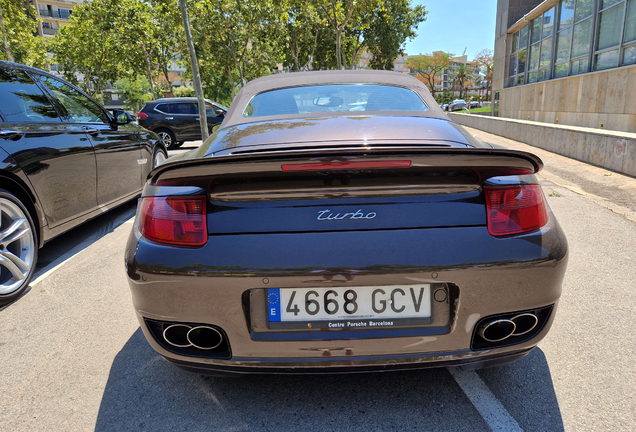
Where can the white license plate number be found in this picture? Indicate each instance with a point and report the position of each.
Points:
(348, 307)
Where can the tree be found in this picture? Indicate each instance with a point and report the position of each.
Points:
(91, 45)
(484, 59)
(20, 42)
(393, 23)
(303, 27)
(194, 67)
(338, 13)
(238, 37)
(461, 77)
(429, 66)
(135, 91)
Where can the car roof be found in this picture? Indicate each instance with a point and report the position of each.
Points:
(178, 99)
(300, 79)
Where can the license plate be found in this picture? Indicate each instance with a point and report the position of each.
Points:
(353, 308)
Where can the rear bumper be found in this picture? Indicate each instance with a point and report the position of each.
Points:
(212, 285)
(386, 364)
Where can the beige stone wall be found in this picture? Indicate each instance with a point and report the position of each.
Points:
(604, 100)
(609, 149)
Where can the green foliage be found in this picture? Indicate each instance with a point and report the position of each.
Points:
(447, 97)
(235, 40)
(429, 66)
(183, 91)
(90, 44)
(136, 91)
(462, 76)
(20, 31)
(392, 24)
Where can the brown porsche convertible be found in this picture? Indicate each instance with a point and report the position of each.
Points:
(340, 222)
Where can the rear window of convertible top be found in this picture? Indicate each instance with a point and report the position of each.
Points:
(333, 98)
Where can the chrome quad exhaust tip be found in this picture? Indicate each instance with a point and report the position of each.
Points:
(501, 329)
(184, 336)
(497, 330)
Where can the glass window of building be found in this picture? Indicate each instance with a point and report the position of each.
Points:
(541, 48)
(629, 34)
(517, 63)
(608, 34)
(573, 37)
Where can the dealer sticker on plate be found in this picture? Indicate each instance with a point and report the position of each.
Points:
(349, 307)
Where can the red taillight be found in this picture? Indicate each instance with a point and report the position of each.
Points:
(515, 209)
(174, 220)
(331, 166)
(142, 115)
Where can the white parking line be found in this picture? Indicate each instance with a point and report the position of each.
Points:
(489, 407)
(53, 266)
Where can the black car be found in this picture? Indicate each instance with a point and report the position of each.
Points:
(176, 120)
(339, 221)
(65, 159)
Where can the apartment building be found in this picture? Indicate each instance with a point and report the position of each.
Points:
(54, 14)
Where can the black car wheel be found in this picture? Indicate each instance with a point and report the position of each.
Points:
(158, 157)
(18, 248)
(168, 139)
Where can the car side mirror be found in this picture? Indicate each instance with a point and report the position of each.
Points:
(122, 117)
(219, 112)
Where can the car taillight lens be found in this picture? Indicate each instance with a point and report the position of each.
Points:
(142, 115)
(174, 220)
(515, 209)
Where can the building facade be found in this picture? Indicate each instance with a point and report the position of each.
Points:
(54, 14)
(569, 62)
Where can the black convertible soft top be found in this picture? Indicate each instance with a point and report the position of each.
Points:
(296, 79)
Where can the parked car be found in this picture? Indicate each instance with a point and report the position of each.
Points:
(176, 120)
(457, 105)
(65, 159)
(475, 104)
(299, 239)
(446, 107)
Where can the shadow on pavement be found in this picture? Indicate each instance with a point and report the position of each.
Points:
(526, 390)
(145, 393)
(82, 236)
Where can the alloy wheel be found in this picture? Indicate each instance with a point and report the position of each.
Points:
(159, 158)
(166, 138)
(17, 247)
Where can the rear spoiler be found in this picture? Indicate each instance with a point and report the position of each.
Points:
(486, 163)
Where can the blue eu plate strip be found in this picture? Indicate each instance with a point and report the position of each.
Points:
(273, 304)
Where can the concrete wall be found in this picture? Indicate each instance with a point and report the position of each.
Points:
(609, 149)
(604, 99)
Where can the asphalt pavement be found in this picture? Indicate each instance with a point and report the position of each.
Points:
(74, 359)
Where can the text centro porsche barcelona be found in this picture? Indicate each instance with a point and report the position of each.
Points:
(339, 221)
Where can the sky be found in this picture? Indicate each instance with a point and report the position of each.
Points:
(455, 25)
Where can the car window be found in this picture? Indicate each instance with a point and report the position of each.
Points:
(80, 108)
(164, 108)
(334, 98)
(182, 108)
(22, 100)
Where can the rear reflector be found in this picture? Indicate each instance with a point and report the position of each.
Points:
(331, 166)
(142, 115)
(174, 220)
(515, 209)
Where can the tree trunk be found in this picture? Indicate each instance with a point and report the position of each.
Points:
(338, 35)
(198, 88)
(4, 37)
(229, 72)
(149, 73)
